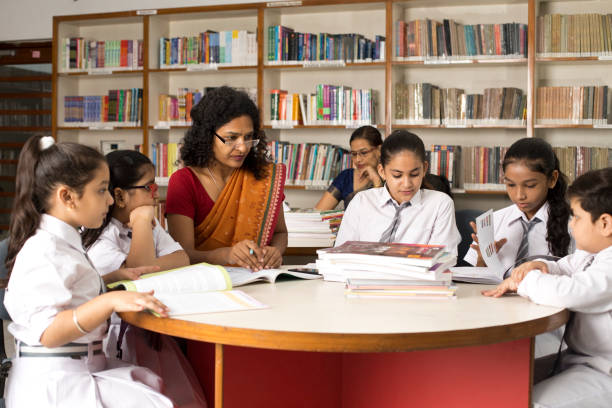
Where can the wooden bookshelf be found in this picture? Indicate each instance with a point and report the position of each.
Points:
(368, 18)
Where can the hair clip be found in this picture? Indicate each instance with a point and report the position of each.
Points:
(46, 142)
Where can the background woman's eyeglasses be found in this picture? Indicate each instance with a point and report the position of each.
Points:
(235, 141)
(361, 153)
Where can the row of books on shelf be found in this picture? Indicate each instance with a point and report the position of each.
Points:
(120, 106)
(482, 166)
(329, 105)
(165, 158)
(25, 104)
(176, 109)
(559, 35)
(287, 45)
(424, 103)
(312, 228)
(309, 163)
(231, 47)
(78, 53)
(410, 270)
(574, 104)
(433, 40)
(14, 119)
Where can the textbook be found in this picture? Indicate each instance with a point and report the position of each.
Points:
(385, 253)
(204, 288)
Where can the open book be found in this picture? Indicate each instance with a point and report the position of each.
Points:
(204, 288)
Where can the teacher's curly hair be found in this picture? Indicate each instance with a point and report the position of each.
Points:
(218, 107)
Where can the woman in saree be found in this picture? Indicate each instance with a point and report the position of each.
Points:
(225, 206)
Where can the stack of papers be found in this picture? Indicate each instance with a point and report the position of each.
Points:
(404, 289)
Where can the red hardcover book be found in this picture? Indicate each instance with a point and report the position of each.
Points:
(123, 53)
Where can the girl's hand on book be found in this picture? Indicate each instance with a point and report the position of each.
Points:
(519, 273)
(247, 254)
(124, 301)
(144, 214)
(480, 260)
(129, 273)
(272, 257)
(508, 285)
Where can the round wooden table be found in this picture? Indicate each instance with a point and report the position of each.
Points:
(315, 316)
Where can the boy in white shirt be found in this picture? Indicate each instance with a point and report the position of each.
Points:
(581, 282)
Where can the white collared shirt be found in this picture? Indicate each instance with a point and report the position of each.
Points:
(111, 249)
(508, 225)
(51, 274)
(430, 219)
(588, 292)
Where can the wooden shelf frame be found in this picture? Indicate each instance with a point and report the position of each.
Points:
(390, 66)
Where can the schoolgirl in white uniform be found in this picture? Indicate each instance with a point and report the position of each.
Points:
(55, 296)
(580, 282)
(401, 211)
(132, 237)
(539, 212)
(537, 222)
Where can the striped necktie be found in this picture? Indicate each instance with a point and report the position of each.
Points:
(523, 250)
(389, 234)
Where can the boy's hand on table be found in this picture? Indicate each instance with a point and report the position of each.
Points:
(508, 285)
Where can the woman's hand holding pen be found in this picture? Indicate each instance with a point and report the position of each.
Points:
(247, 254)
(498, 245)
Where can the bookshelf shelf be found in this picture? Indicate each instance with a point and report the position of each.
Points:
(7, 194)
(194, 69)
(5, 210)
(25, 111)
(462, 62)
(7, 178)
(28, 78)
(9, 145)
(368, 18)
(299, 187)
(8, 161)
(100, 73)
(25, 128)
(4, 227)
(26, 95)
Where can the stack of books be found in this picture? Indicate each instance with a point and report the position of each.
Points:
(374, 269)
(312, 228)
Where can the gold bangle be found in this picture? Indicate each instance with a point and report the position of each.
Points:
(76, 323)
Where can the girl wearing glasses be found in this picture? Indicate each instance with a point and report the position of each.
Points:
(365, 153)
(225, 206)
(131, 236)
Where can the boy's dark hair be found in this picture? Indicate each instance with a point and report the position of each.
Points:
(39, 173)
(398, 141)
(126, 168)
(539, 156)
(218, 107)
(369, 133)
(594, 192)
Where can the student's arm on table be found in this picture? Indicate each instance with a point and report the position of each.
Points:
(95, 312)
(182, 229)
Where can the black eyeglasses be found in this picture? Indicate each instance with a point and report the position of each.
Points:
(151, 188)
(234, 141)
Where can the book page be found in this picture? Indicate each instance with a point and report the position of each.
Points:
(200, 277)
(208, 302)
(244, 276)
(486, 241)
(476, 274)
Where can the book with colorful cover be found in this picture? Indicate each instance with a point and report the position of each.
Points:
(385, 253)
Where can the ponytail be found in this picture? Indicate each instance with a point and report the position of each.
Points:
(40, 170)
(539, 156)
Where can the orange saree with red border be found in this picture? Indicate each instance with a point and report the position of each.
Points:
(246, 209)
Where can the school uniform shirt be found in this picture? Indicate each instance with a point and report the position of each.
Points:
(429, 219)
(52, 274)
(588, 292)
(111, 249)
(508, 225)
